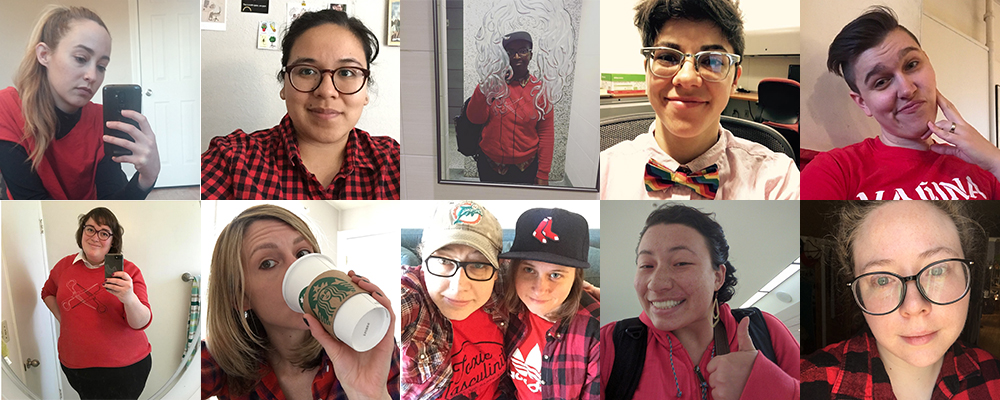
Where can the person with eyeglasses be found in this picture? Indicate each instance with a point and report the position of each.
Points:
(452, 317)
(103, 349)
(687, 154)
(907, 266)
(519, 134)
(892, 80)
(316, 152)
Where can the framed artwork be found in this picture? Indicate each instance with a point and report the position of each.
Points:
(517, 107)
(213, 15)
(340, 7)
(392, 23)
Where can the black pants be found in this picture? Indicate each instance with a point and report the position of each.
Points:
(110, 383)
(513, 175)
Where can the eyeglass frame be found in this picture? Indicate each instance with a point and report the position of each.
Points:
(97, 232)
(288, 73)
(968, 285)
(461, 265)
(734, 60)
(511, 54)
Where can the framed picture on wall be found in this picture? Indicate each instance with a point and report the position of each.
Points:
(392, 23)
(340, 7)
(213, 15)
(517, 106)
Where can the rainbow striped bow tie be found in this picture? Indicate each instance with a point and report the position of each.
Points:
(704, 182)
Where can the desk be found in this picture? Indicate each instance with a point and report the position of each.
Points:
(752, 96)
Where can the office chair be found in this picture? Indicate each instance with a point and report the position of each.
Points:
(624, 127)
(760, 133)
(778, 100)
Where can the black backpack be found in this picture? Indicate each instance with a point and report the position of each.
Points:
(629, 338)
(467, 133)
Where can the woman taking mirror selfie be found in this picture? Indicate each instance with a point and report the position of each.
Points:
(258, 347)
(316, 151)
(103, 349)
(909, 348)
(51, 134)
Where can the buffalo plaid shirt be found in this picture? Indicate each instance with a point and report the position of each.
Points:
(267, 165)
(571, 359)
(324, 386)
(853, 370)
(427, 338)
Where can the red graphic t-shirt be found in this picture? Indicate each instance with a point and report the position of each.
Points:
(526, 363)
(476, 358)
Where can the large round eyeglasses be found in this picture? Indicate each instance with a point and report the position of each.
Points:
(446, 268)
(942, 283)
(307, 78)
(101, 234)
(713, 66)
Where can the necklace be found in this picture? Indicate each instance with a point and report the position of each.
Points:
(697, 370)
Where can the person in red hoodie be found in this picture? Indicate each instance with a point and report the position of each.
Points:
(102, 347)
(519, 135)
(52, 135)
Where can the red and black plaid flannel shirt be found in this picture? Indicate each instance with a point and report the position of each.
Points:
(267, 165)
(427, 336)
(571, 367)
(853, 370)
(324, 386)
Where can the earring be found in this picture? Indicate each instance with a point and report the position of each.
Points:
(716, 316)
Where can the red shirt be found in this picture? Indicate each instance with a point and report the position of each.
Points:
(267, 165)
(515, 134)
(526, 362)
(69, 165)
(870, 170)
(93, 329)
(476, 358)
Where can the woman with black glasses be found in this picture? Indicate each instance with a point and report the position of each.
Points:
(316, 152)
(906, 266)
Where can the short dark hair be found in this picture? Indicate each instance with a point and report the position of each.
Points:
(715, 238)
(313, 19)
(102, 216)
(651, 15)
(861, 34)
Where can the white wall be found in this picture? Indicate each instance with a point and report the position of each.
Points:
(239, 83)
(19, 17)
(419, 144)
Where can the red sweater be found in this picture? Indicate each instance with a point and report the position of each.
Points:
(870, 170)
(93, 331)
(515, 135)
(69, 165)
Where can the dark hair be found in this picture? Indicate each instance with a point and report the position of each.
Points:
(715, 239)
(313, 19)
(651, 15)
(102, 216)
(861, 34)
(564, 313)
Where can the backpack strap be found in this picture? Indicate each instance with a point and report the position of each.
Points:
(629, 337)
(759, 333)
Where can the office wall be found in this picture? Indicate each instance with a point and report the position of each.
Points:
(419, 143)
(19, 17)
(239, 86)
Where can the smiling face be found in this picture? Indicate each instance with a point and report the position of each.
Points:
(519, 52)
(897, 86)
(75, 67)
(458, 297)
(686, 105)
(902, 238)
(269, 248)
(542, 286)
(675, 279)
(93, 247)
(325, 115)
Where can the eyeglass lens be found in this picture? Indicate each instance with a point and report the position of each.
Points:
(444, 267)
(346, 80)
(104, 235)
(941, 283)
(522, 52)
(712, 66)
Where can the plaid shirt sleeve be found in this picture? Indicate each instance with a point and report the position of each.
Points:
(211, 374)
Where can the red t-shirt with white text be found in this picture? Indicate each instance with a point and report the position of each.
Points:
(476, 358)
(526, 362)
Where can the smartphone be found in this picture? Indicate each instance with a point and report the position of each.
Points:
(116, 99)
(112, 263)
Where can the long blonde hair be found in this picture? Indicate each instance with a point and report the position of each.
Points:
(32, 82)
(236, 340)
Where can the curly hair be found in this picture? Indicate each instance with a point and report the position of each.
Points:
(715, 239)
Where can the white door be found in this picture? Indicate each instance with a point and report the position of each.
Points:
(170, 75)
(26, 270)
